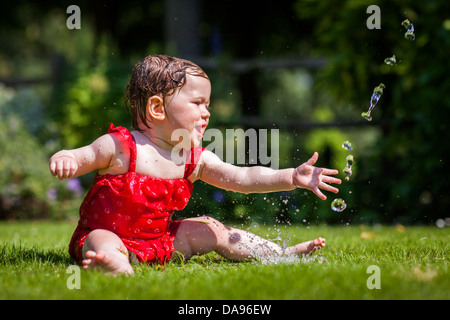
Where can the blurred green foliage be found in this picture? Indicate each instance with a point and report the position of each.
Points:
(92, 101)
(405, 178)
(401, 158)
(27, 190)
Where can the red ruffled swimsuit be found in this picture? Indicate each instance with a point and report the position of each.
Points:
(135, 207)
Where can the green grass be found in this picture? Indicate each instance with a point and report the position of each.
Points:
(413, 265)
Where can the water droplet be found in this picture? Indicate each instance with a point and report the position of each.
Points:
(367, 116)
(338, 205)
(376, 95)
(409, 35)
(391, 61)
(348, 169)
(347, 145)
(349, 160)
(407, 24)
(348, 172)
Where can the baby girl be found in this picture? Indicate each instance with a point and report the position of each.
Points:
(127, 214)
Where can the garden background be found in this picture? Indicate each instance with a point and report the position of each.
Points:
(307, 68)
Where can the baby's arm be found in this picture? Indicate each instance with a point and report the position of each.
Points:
(259, 179)
(67, 164)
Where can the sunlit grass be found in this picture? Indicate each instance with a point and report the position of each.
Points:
(413, 264)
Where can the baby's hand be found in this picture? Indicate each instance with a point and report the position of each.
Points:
(63, 166)
(309, 177)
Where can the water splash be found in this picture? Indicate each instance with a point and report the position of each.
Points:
(290, 259)
(350, 160)
(272, 257)
(409, 35)
(347, 145)
(263, 254)
(391, 61)
(348, 169)
(376, 95)
(276, 259)
(338, 205)
(348, 172)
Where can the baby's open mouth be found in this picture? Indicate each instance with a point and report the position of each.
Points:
(200, 128)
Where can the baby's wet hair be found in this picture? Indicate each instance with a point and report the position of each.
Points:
(156, 75)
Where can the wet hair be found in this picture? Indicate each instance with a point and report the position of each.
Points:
(156, 75)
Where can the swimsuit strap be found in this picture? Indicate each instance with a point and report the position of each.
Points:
(126, 136)
(194, 158)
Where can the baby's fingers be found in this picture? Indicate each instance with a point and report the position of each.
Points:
(331, 180)
(319, 193)
(327, 187)
(313, 159)
(326, 171)
(70, 167)
(60, 169)
(52, 167)
(65, 168)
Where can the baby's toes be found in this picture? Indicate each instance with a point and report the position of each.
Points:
(320, 242)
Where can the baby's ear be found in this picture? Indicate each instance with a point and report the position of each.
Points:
(155, 108)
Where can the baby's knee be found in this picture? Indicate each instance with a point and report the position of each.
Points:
(210, 222)
(101, 234)
(223, 233)
(103, 239)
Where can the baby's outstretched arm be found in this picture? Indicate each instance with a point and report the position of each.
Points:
(67, 164)
(259, 179)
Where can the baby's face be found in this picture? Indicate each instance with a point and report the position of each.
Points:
(187, 110)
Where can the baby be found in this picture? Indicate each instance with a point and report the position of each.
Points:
(127, 214)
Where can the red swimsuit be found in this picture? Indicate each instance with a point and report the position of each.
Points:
(135, 207)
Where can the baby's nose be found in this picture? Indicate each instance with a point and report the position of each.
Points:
(205, 113)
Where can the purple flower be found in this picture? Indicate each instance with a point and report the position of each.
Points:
(52, 194)
(74, 185)
(218, 196)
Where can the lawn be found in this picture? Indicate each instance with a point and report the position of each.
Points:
(412, 264)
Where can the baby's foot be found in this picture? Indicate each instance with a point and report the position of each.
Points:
(308, 247)
(109, 262)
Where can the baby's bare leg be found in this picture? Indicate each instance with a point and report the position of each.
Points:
(308, 247)
(103, 249)
(198, 236)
